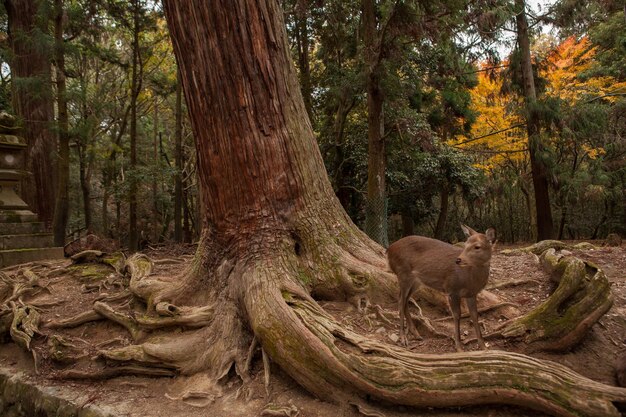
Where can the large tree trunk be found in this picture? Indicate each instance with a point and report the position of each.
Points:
(276, 234)
(545, 227)
(33, 100)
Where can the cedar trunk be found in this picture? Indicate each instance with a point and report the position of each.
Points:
(33, 100)
(275, 234)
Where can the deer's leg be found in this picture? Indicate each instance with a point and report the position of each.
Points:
(409, 320)
(403, 306)
(471, 306)
(455, 308)
(402, 302)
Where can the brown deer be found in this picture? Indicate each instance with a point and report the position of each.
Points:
(460, 273)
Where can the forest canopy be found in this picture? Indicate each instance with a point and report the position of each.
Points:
(451, 113)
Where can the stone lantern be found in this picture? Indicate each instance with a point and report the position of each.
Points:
(22, 237)
(12, 170)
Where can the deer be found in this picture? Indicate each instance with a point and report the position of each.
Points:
(458, 272)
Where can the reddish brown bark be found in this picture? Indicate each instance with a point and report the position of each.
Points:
(33, 100)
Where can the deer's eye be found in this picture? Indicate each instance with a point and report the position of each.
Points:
(476, 247)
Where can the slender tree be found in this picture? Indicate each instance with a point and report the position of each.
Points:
(61, 208)
(373, 44)
(178, 155)
(135, 88)
(545, 226)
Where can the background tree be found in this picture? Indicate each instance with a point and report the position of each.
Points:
(32, 98)
(61, 207)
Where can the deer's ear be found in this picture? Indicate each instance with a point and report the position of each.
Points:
(468, 231)
(491, 234)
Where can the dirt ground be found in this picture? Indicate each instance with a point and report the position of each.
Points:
(70, 290)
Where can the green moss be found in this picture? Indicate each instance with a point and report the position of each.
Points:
(304, 278)
(90, 272)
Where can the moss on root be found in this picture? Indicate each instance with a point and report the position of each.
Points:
(582, 297)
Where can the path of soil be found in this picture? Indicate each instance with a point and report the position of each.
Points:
(140, 396)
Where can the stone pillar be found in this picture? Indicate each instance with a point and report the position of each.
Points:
(22, 237)
(12, 150)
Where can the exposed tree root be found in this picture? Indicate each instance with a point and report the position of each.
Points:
(274, 410)
(64, 350)
(112, 372)
(540, 247)
(266, 302)
(115, 260)
(74, 321)
(581, 299)
(188, 317)
(25, 324)
(123, 319)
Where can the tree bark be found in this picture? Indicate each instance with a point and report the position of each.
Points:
(443, 213)
(84, 173)
(545, 226)
(155, 155)
(61, 208)
(178, 150)
(33, 101)
(304, 65)
(375, 210)
(133, 235)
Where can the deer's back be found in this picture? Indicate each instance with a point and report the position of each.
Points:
(429, 260)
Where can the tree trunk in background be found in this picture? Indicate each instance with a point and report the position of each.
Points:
(443, 213)
(408, 225)
(61, 209)
(85, 185)
(545, 226)
(342, 167)
(302, 40)
(155, 156)
(33, 101)
(376, 212)
(133, 235)
(178, 185)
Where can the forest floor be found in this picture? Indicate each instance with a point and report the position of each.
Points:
(67, 295)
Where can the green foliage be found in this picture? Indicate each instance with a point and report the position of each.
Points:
(610, 38)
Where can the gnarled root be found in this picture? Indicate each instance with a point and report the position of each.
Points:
(335, 363)
(25, 324)
(542, 246)
(582, 298)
